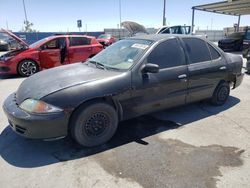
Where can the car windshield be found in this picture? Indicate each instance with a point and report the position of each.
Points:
(104, 37)
(38, 42)
(236, 35)
(122, 55)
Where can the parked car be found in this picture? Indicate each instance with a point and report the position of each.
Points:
(132, 77)
(232, 42)
(178, 29)
(47, 53)
(246, 49)
(106, 40)
(7, 43)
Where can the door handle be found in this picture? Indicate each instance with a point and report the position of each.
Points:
(182, 76)
(223, 68)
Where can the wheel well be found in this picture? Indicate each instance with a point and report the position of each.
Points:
(107, 99)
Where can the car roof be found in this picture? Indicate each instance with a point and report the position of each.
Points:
(158, 37)
(59, 36)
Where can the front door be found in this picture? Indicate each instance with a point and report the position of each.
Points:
(50, 54)
(168, 87)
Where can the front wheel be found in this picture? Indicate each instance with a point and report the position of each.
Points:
(94, 124)
(221, 94)
(27, 68)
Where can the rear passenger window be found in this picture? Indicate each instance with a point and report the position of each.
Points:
(214, 53)
(197, 50)
(167, 54)
(78, 41)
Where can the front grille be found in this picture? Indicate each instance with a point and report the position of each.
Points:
(18, 128)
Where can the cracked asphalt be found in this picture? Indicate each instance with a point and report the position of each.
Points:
(197, 145)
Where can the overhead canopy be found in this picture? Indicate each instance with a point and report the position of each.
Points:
(230, 7)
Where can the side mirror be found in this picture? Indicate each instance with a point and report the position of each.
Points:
(150, 68)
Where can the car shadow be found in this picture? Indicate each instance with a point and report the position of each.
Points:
(9, 76)
(25, 153)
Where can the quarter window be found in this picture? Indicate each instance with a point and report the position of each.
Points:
(167, 54)
(197, 50)
(214, 53)
(79, 41)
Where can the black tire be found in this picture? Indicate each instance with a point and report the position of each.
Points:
(221, 94)
(27, 68)
(93, 124)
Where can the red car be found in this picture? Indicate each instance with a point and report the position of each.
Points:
(106, 39)
(47, 53)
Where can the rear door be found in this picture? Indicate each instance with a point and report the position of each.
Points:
(206, 68)
(168, 87)
(80, 49)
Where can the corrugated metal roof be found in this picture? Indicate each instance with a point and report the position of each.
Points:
(230, 7)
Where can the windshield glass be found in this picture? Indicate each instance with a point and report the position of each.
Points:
(38, 42)
(104, 37)
(236, 35)
(123, 54)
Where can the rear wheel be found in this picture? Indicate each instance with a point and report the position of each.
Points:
(94, 124)
(220, 94)
(27, 68)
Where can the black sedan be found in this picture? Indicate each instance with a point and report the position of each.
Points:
(233, 42)
(130, 78)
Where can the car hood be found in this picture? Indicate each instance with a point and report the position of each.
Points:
(134, 27)
(229, 40)
(12, 35)
(55, 79)
(12, 53)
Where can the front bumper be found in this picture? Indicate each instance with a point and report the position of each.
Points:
(44, 126)
(6, 68)
(238, 80)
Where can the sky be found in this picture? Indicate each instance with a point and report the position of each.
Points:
(61, 15)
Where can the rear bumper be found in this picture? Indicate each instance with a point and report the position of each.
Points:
(35, 126)
(238, 80)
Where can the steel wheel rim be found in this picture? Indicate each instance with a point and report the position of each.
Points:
(96, 125)
(223, 93)
(28, 68)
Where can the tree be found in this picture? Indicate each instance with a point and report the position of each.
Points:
(28, 27)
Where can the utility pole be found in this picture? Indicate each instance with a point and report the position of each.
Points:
(7, 25)
(164, 13)
(120, 15)
(25, 13)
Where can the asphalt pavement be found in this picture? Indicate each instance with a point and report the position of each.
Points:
(197, 145)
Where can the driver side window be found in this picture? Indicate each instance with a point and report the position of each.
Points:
(167, 54)
(53, 44)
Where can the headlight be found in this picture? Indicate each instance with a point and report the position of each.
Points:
(5, 58)
(36, 106)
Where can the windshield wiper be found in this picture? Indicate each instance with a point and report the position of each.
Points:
(98, 64)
